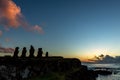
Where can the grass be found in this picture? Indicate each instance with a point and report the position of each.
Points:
(52, 76)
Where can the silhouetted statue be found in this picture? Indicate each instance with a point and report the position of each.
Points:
(24, 52)
(32, 50)
(46, 54)
(40, 52)
(16, 52)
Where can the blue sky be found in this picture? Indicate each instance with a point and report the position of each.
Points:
(72, 28)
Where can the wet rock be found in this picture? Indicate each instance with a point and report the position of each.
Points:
(82, 74)
(103, 72)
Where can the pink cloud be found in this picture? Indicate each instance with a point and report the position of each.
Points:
(6, 50)
(7, 39)
(10, 14)
(37, 28)
(0, 33)
(11, 17)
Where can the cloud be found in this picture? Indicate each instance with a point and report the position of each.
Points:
(100, 57)
(6, 50)
(0, 33)
(37, 28)
(11, 17)
(97, 57)
(10, 14)
(106, 59)
(7, 39)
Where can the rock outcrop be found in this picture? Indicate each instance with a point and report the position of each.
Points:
(25, 68)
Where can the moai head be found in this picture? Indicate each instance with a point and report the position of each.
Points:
(16, 48)
(24, 52)
(16, 52)
(31, 51)
(24, 48)
(31, 47)
(40, 49)
(46, 54)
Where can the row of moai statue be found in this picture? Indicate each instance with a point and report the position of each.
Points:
(31, 51)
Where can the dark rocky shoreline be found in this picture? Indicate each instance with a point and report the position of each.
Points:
(28, 68)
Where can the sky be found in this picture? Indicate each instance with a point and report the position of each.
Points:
(68, 28)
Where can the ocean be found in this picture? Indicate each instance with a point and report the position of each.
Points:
(115, 68)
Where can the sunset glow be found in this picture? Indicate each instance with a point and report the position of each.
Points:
(82, 28)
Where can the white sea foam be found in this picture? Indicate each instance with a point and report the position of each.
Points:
(115, 68)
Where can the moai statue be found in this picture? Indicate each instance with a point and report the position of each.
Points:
(32, 50)
(16, 52)
(46, 54)
(40, 52)
(24, 52)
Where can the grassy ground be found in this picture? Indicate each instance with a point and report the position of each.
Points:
(55, 75)
(52, 76)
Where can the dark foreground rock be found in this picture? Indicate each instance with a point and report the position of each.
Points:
(42, 67)
(82, 74)
(27, 68)
(103, 72)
